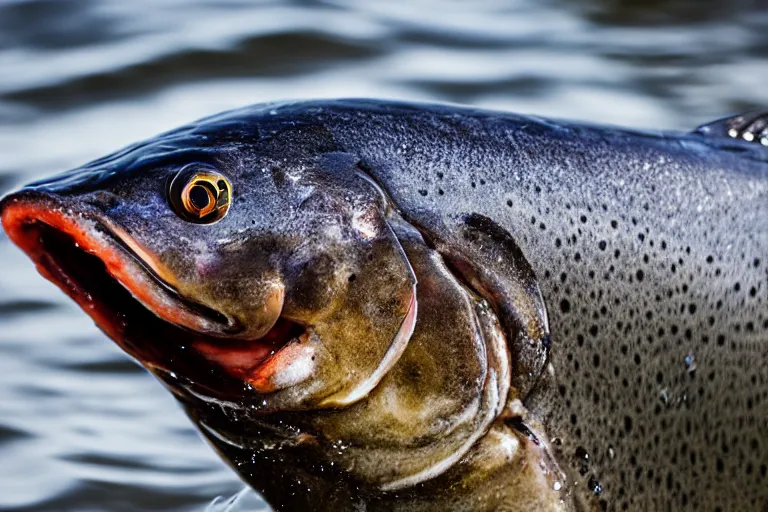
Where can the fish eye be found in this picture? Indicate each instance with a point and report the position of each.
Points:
(200, 194)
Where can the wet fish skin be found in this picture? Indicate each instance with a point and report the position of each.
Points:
(645, 375)
(651, 250)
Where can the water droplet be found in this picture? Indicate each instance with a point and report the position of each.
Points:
(690, 363)
(595, 486)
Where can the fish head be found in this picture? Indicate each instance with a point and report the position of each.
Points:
(212, 251)
(310, 331)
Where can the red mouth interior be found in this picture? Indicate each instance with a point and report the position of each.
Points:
(74, 261)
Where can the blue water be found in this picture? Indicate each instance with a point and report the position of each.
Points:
(83, 428)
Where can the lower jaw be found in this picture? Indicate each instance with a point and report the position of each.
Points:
(164, 348)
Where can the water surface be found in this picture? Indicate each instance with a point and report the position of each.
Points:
(83, 428)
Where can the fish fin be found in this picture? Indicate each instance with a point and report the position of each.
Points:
(750, 126)
(488, 260)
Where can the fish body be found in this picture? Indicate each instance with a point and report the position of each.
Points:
(650, 250)
(394, 306)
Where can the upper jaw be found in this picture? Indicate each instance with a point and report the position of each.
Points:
(29, 215)
(126, 292)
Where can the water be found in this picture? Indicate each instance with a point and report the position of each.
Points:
(82, 427)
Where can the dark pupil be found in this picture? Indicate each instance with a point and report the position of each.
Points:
(199, 197)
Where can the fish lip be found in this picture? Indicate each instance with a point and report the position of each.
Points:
(86, 225)
(229, 325)
(33, 219)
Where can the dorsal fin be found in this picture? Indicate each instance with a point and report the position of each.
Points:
(750, 126)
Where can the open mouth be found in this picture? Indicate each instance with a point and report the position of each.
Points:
(146, 317)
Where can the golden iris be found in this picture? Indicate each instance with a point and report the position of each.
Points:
(200, 195)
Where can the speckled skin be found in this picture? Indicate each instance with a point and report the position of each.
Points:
(649, 248)
(650, 251)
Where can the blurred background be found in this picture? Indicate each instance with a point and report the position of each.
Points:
(82, 428)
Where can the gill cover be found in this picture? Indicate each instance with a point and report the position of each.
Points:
(474, 326)
(347, 280)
